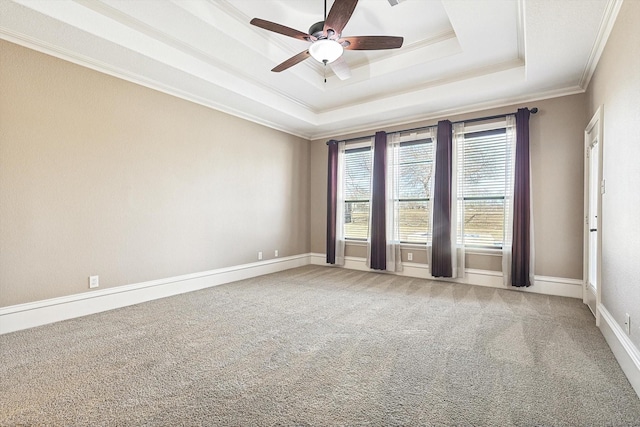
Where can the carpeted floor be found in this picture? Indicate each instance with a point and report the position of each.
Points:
(321, 346)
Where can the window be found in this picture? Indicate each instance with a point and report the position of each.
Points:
(414, 168)
(357, 192)
(484, 170)
(483, 164)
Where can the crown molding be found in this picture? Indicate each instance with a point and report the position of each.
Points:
(411, 120)
(288, 112)
(88, 62)
(84, 61)
(606, 26)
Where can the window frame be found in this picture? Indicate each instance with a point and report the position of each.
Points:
(407, 141)
(488, 129)
(366, 144)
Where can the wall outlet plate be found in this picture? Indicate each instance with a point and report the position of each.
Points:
(259, 256)
(410, 256)
(94, 281)
(276, 252)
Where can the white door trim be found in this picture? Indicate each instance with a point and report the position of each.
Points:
(595, 125)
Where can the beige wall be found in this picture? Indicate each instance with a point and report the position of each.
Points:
(556, 135)
(101, 176)
(616, 86)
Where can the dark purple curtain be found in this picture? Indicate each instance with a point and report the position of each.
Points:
(521, 203)
(441, 235)
(378, 202)
(332, 200)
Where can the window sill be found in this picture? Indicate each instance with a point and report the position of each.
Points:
(423, 246)
(418, 246)
(483, 251)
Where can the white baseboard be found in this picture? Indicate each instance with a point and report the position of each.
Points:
(623, 349)
(543, 284)
(23, 316)
(557, 286)
(29, 315)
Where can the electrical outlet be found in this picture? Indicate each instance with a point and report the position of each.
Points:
(410, 256)
(627, 323)
(259, 256)
(94, 281)
(276, 253)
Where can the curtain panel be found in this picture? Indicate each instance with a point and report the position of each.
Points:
(441, 264)
(378, 229)
(394, 260)
(340, 206)
(507, 245)
(457, 202)
(335, 203)
(522, 253)
(332, 199)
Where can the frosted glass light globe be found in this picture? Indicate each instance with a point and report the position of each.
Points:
(326, 50)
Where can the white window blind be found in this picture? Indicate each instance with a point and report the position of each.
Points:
(357, 189)
(483, 177)
(415, 164)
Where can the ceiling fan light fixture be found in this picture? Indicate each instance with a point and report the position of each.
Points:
(326, 51)
(327, 43)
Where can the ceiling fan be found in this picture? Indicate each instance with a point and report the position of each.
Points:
(327, 43)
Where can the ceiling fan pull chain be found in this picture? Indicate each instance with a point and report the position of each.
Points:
(325, 71)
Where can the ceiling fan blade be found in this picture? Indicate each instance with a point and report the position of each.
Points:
(292, 61)
(281, 29)
(339, 15)
(372, 42)
(340, 68)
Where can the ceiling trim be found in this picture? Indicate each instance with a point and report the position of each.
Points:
(169, 40)
(234, 88)
(520, 26)
(99, 66)
(606, 25)
(88, 62)
(465, 75)
(503, 102)
(444, 36)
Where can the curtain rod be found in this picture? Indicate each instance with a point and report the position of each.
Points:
(534, 110)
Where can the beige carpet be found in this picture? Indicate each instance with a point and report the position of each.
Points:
(321, 346)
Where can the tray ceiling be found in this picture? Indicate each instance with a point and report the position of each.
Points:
(458, 55)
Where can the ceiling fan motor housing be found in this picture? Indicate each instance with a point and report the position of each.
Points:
(317, 30)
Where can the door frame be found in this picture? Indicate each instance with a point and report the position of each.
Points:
(595, 125)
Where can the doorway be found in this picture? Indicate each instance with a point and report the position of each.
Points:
(594, 188)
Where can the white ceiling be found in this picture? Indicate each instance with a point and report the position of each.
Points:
(458, 55)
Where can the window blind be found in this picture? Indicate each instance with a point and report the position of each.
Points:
(357, 189)
(415, 163)
(482, 184)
